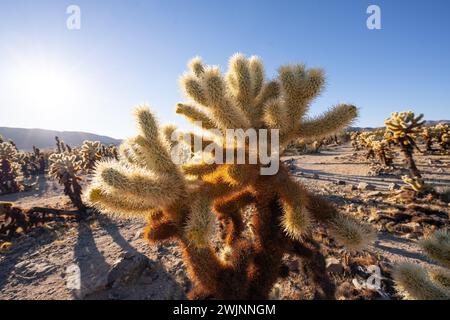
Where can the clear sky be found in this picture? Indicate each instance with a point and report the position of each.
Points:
(130, 52)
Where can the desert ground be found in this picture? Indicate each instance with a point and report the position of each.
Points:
(106, 258)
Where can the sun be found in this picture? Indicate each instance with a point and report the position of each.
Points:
(44, 85)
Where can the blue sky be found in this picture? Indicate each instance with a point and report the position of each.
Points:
(130, 52)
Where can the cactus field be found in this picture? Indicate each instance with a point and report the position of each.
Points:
(331, 211)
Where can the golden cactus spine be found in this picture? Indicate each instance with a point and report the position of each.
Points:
(416, 282)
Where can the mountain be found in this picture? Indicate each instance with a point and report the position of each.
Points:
(41, 138)
(435, 122)
(427, 123)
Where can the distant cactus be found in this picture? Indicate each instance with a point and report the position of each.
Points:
(415, 282)
(39, 161)
(375, 144)
(442, 131)
(109, 152)
(65, 169)
(10, 169)
(184, 202)
(402, 128)
(90, 153)
(416, 185)
(354, 138)
(58, 145)
(428, 135)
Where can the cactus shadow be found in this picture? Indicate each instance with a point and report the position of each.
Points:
(99, 280)
(401, 252)
(355, 179)
(91, 264)
(109, 226)
(11, 259)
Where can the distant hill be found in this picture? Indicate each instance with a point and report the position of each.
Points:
(427, 123)
(44, 139)
(435, 122)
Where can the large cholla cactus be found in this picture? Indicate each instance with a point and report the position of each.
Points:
(65, 169)
(90, 153)
(10, 169)
(415, 282)
(184, 202)
(403, 128)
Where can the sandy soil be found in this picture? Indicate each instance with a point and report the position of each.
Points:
(104, 258)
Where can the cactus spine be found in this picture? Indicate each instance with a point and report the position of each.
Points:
(415, 282)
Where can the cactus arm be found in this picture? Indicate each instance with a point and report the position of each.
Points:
(336, 119)
(195, 115)
(413, 281)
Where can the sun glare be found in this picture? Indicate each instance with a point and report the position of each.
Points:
(44, 86)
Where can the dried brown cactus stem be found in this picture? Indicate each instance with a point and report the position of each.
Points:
(314, 266)
(229, 209)
(269, 245)
(72, 189)
(407, 151)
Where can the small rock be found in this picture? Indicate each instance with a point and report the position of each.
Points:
(138, 235)
(374, 194)
(341, 182)
(126, 269)
(334, 266)
(365, 186)
(415, 227)
(315, 176)
(410, 236)
(127, 255)
(393, 186)
(34, 270)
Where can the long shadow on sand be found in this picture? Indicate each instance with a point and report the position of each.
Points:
(28, 247)
(94, 269)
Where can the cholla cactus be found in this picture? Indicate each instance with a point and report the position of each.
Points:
(109, 152)
(415, 282)
(442, 131)
(375, 145)
(428, 135)
(184, 202)
(90, 153)
(65, 169)
(382, 152)
(416, 185)
(354, 138)
(10, 169)
(38, 160)
(403, 128)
